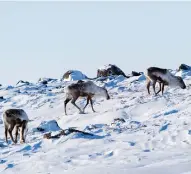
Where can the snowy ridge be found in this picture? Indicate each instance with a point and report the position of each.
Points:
(133, 132)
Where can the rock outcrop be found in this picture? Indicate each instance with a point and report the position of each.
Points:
(184, 67)
(108, 70)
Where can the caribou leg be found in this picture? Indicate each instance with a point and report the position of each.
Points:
(16, 133)
(11, 127)
(154, 84)
(162, 88)
(88, 99)
(148, 86)
(6, 132)
(23, 127)
(91, 102)
(73, 102)
(159, 88)
(65, 103)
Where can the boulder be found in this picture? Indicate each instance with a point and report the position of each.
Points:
(73, 75)
(47, 126)
(134, 73)
(21, 82)
(108, 70)
(45, 81)
(184, 67)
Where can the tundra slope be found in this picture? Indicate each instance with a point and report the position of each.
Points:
(155, 137)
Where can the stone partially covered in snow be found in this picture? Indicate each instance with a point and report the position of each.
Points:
(21, 82)
(48, 126)
(1, 98)
(184, 71)
(73, 75)
(46, 80)
(183, 74)
(108, 70)
(184, 67)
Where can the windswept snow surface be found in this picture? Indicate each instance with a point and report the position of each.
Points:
(155, 137)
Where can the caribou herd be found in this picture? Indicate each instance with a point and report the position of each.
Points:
(18, 119)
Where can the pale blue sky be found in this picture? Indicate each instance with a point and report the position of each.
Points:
(45, 39)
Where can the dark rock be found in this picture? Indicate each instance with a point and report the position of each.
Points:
(24, 82)
(134, 73)
(40, 129)
(184, 67)
(44, 82)
(109, 70)
(120, 120)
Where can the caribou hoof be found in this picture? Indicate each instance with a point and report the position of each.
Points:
(81, 112)
(22, 141)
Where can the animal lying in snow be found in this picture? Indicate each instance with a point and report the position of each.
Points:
(15, 118)
(163, 77)
(83, 89)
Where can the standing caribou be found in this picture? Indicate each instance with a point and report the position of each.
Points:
(18, 119)
(83, 89)
(163, 77)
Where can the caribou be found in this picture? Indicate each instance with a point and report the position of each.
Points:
(163, 77)
(86, 89)
(15, 118)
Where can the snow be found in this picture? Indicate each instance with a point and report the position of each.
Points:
(155, 137)
(184, 73)
(75, 75)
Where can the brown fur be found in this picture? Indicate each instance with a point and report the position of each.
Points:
(12, 118)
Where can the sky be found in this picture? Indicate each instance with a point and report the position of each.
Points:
(45, 39)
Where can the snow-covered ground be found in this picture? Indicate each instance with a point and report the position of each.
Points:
(155, 137)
